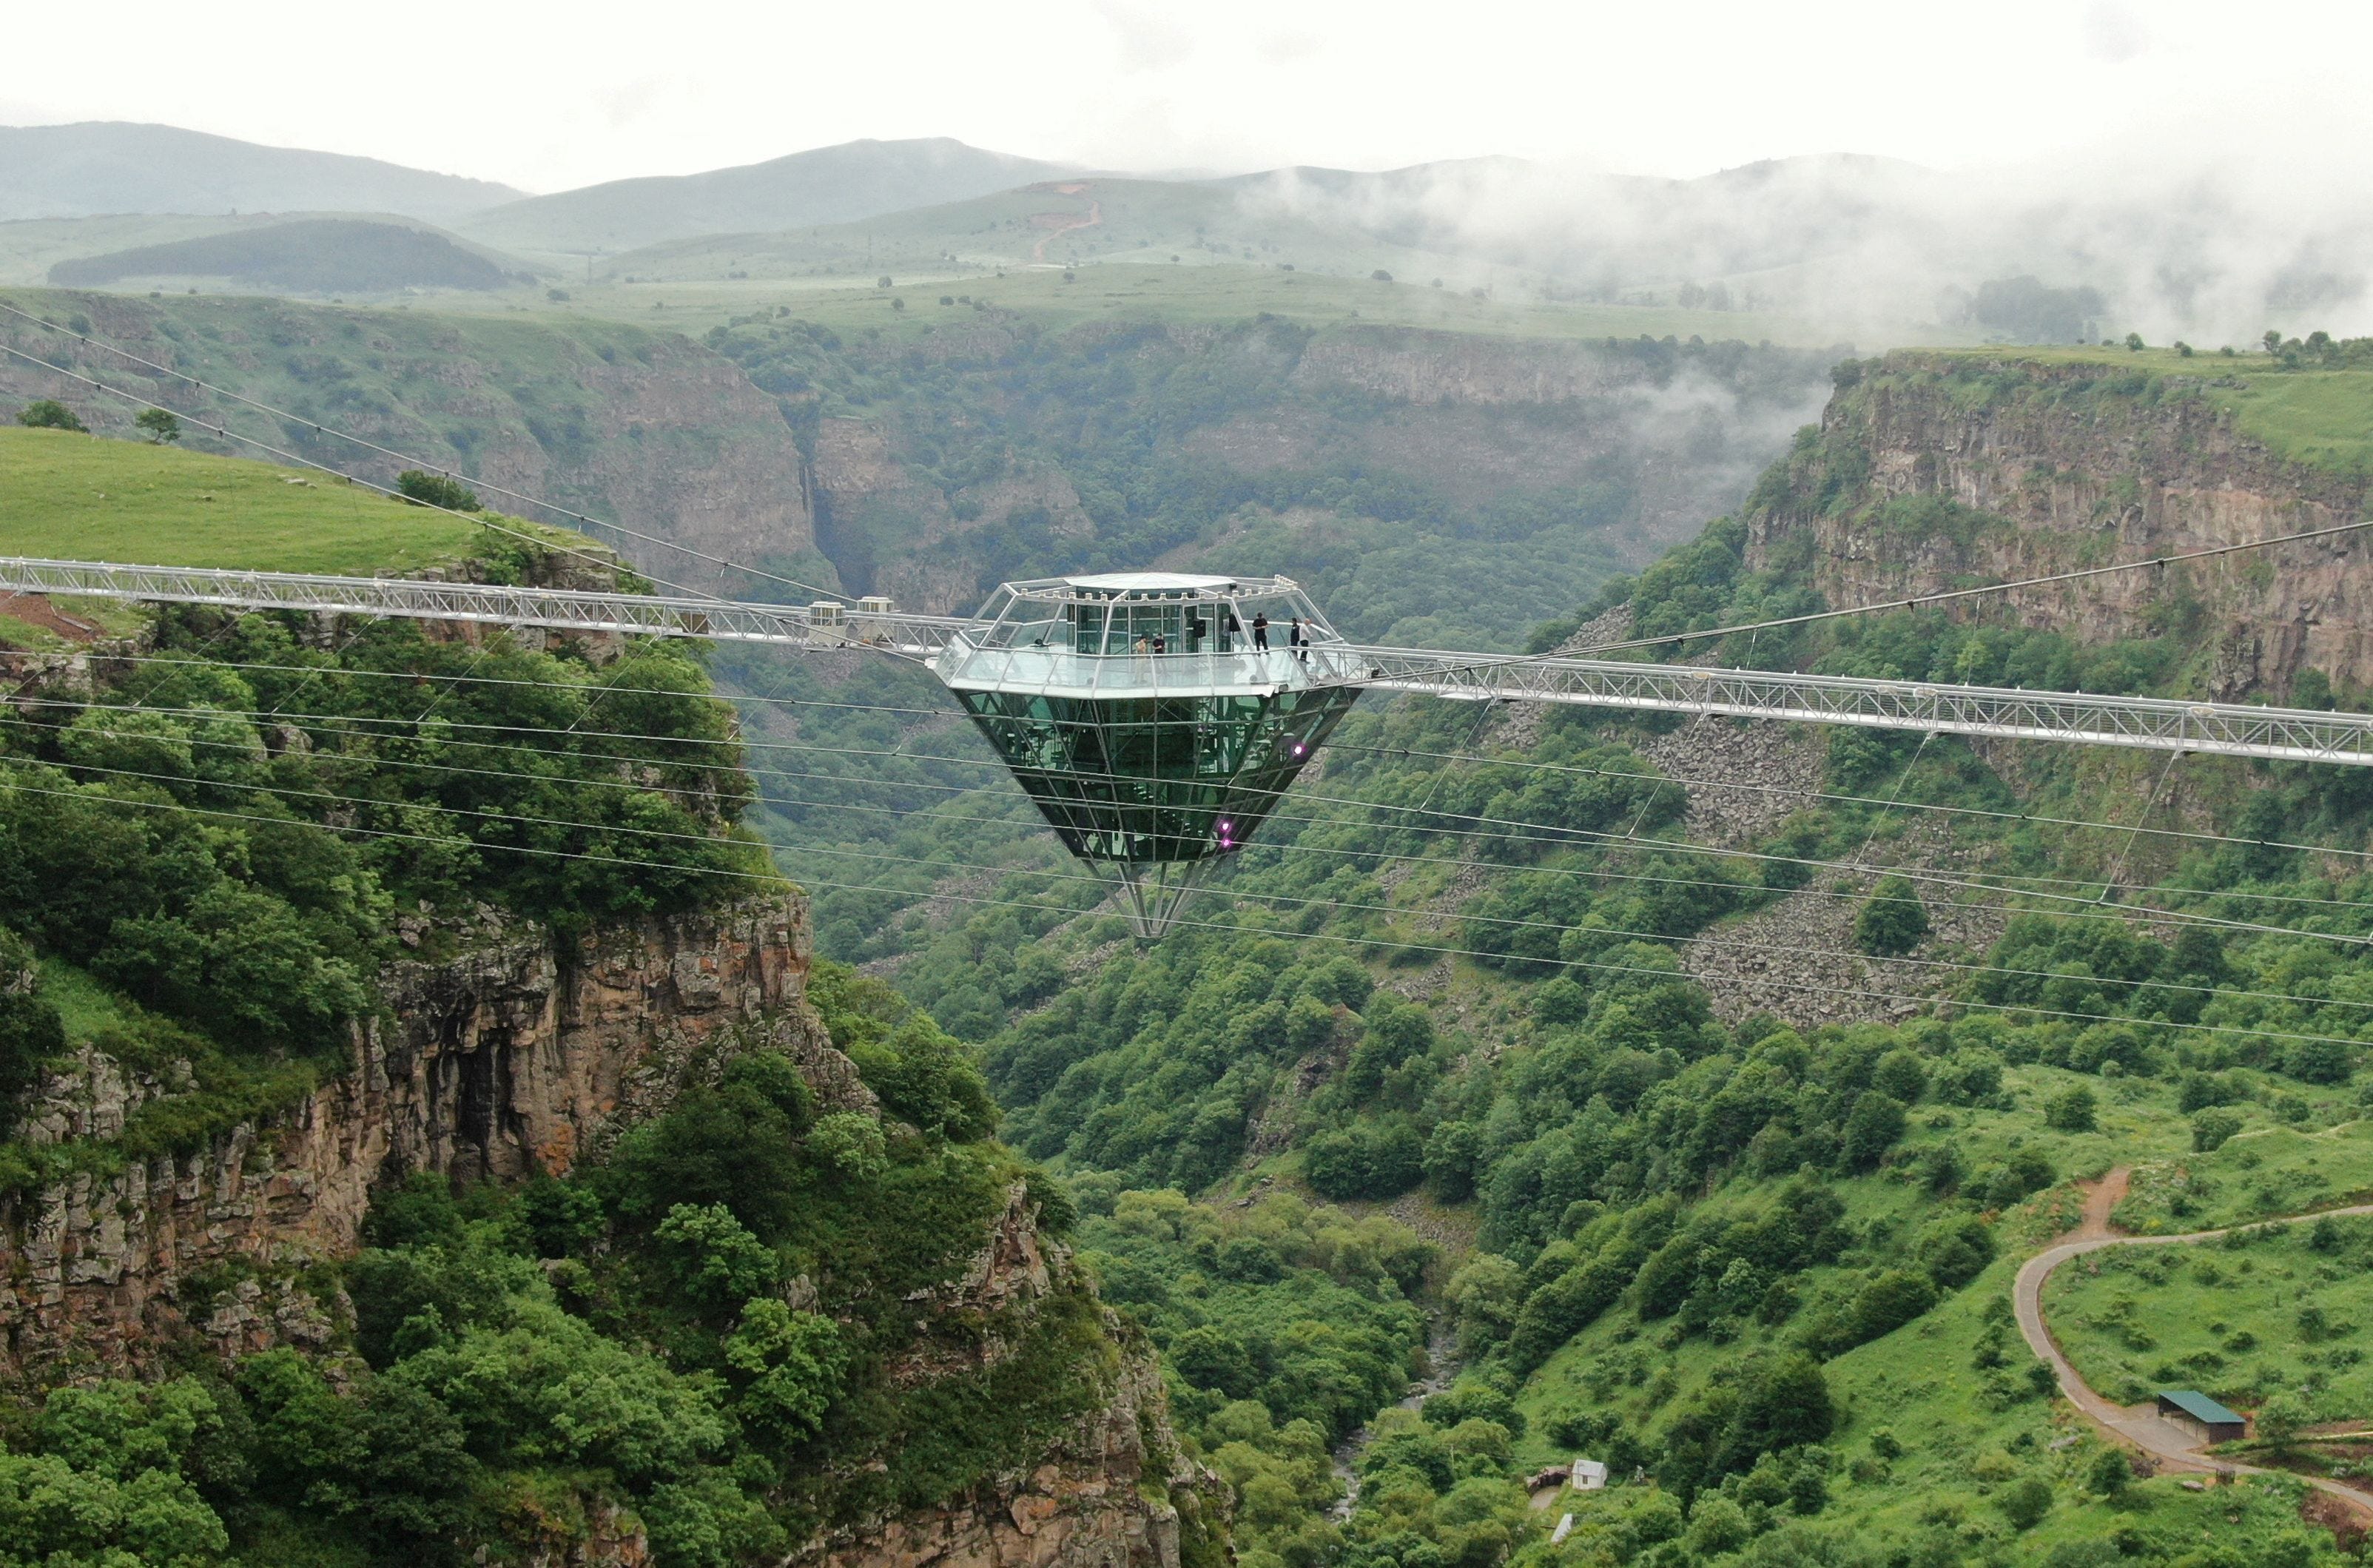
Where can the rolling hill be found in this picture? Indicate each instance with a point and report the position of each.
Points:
(99, 167)
(835, 184)
(325, 255)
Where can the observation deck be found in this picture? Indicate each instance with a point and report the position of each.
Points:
(1154, 718)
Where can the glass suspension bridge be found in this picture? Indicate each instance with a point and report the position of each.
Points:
(1156, 718)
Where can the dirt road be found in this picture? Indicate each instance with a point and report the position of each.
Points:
(1057, 223)
(2140, 1426)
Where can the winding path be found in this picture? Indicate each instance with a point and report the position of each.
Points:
(2140, 1426)
(1066, 223)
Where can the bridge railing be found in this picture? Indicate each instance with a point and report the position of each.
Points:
(2225, 729)
(2153, 724)
(427, 599)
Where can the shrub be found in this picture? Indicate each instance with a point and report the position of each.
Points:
(1893, 921)
(160, 426)
(49, 414)
(2073, 1109)
(2025, 1502)
(423, 488)
(1876, 1122)
(2212, 1129)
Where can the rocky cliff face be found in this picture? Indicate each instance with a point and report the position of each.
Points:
(2075, 465)
(520, 1053)
(1680, 433)
(1115, 1495)
(503, 1051)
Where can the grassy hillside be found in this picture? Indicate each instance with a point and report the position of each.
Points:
(622, 422)
(2312, 408)
(84, 498)
(1155, 290)
(1057, 221)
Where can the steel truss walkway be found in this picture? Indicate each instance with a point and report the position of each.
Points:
(2219, 729)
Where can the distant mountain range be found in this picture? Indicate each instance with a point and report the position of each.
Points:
(835, 184)
(102, 167)
(1850, 242)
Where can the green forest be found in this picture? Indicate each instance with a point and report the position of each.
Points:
(1762, 1268)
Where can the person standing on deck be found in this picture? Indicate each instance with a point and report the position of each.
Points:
(1260, 631)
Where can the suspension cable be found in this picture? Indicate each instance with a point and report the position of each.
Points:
(2016, 1010)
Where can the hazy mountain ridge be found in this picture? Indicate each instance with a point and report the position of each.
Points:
(99, 166)
(835, 184)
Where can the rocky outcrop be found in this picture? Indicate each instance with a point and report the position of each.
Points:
(502, 1051)
(2070, 465)
(1114, 1494)
(518, 1052)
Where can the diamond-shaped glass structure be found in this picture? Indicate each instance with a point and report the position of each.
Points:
(1155, 717)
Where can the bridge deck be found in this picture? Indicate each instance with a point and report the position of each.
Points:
(2085, 718)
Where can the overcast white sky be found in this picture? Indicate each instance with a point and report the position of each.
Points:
(546, 97)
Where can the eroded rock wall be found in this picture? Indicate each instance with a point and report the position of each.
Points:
(518, 1052)
(1114, 1494)
(2077, 467)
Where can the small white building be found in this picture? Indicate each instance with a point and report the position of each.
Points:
(1589, 1475)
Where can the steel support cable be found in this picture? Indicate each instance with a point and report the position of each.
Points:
(320, 428)
(1982, 812)
(776, 880)
(955, 717)
(302, 460)
(2086, 907)
(1300, 900)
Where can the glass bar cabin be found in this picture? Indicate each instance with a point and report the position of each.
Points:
(1155, 717)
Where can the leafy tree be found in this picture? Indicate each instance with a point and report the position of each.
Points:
(1901, 1075)
(2212, 1129)
(1871, 1130)
(49, 414)
(2073, 1109)
(2280, 1420)
(423, 488)
(717, 1262)
(2025, 1501)
(31, 1037)
(2111, 1473)
(160, 426)
(1893, 921)
(850, 1144)
(1784, 1404)
(788, 1366)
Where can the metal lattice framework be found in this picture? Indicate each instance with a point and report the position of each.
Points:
(823, 625)
(2225, 729)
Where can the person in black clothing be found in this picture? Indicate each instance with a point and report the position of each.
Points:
(1260, 631)
(1295, 640)
(1193, 633)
